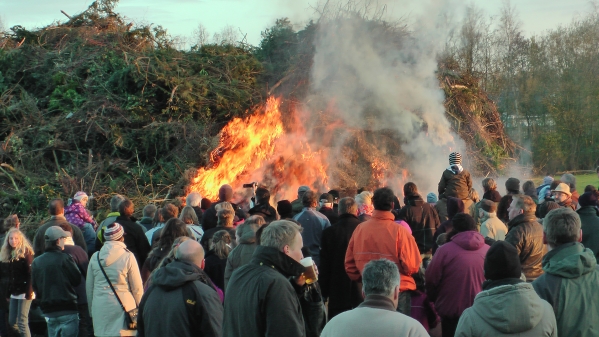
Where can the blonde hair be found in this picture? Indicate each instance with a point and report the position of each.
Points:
(224, 205)
(189, 214)
(9, 254)
(220, 243)
(225, 218)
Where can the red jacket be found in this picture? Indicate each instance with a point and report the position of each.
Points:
(378, 238)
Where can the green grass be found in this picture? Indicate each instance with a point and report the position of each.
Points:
(582, 180)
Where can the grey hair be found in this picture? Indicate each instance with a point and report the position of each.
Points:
(348, 205)
(525, 203)
(150, 210)
(193, 199)
(190, 251)
(188, 213)
(115, 202)
(489, 184)
(279, 234)
(380, 277)
(562, 225)
(569, 179)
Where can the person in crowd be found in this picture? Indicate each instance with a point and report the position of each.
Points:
(225, 221)
(544, 187)
(188, 216)
(455, 275)
(423, 309)
(491, 226)
(17, 255)
(589, 221)
(147, 221)
(113, 265)
(455, 182)
(571, 276)
(57, 218)
(205, 205)
(381, 237)
(115, 201)
(167, 212)
(432, 199)
(326, 207)
(313, 223)
(590, 188)
(376, 316)
(4, 281)
(54, 278)
(77, 214)
(570, 180)
(512, 186)
(194, 200)
(246, 245)
(475, 198)
(454, 206)
(11, 221)
(335, 195)
(545, 208)
(528, 188)
(507, 306)
(421, 217)
(285, 210)
(194, 307)
(263, 287)
(173, 229)
(542, 210)
(297, 204)
(343, 293)
(135, 239)
(216, 258)
(489, 193)
(365, 208)
(225, 194)
(263, 207)
(526, 234)
(563, 196)
(81, 260)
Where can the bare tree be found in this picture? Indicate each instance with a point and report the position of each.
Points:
(227, 36)
(200, 36)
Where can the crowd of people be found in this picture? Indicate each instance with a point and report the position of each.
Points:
(521, 264)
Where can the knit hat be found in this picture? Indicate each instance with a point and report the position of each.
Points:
(80, 195)
(302, 189)
(431, 198)
(564, 188)
(455, 158)
(502, 261)
(284, 208)
(587, 199)
(54, 233)
(463, 222)
(327, 197)
(488, 206)
(512, 184)
(547, 180)
(113, 232)
(225, 193)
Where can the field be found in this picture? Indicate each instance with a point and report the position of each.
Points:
(582, 180)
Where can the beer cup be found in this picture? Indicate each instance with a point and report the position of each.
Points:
(309, 270)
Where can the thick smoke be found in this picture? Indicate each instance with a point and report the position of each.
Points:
(382, 77)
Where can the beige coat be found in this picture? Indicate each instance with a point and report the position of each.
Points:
(122, 270)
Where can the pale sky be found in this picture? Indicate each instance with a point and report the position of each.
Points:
(181, 17)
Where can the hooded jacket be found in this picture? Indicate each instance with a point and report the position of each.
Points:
(76, 214)
(454, 206)
(167, 292)
(122, 270)
(455, 185)
(570, 285)
(508, 310)
(261, 301)
(590, 228)
(423, 220)
(455, 274)
(526, 234)
(240, 255)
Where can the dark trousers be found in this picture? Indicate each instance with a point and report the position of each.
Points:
(85, 324)
(3, 321)
(404, 304)
(448, 326)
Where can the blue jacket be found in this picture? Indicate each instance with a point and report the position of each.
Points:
(313, 223)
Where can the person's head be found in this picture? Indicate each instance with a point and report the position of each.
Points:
(15, 246)
(529, 189)
(246, 231)
(149, 211)
(55, 236)
(255, 221)
(259, 233)
(56, 207)
(81, 197)
(285, 209)
(502, 262)
(455, 158)
(454, 206)
(548, 179)
(193, 199)
(262, 196)
(190, 251)
(381, 277)
(431, 198)
(487, 207)
(335, 195)
(114, 232)
(115, 201)
(205, 204)
(225, 218)
(11, 221)
(382, 200)
(173, 229)
(363, 198)
(225, 193)
(158, 217)
(512, 185)
(301, 190)
(410, 189)
(590, 188)
(168, 212)
(326, 200)
(462, 222)
(473, 195)
(570, 180)
(221, 244)
(348, 206)
(224, 205)
(548, 206)
(588, 199)
(489, 184)
(67, 228)
(189, 216)
(561, 226)
(521, 204)
(126, 208)
(561, 193)
(309, 199)
(285, 236)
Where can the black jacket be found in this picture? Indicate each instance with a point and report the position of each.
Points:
(168, 290)
(261, 300)
(343, 293)
(135, 239)
(215, 268)
(331, 214)
(209, 220)
(55, 276)
(526, 234)
(39, 243)
(19, 276)
(208, 234)
(504, 204)
(81, 261)
(266, 211)
(423, 220)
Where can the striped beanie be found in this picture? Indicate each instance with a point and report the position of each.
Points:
(455, 158)
(113, 232)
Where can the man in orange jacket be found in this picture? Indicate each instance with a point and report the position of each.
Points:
(382, 238)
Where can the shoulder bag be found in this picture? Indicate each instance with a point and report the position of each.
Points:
(131, 315)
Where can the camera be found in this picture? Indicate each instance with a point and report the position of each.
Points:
(250, 185)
